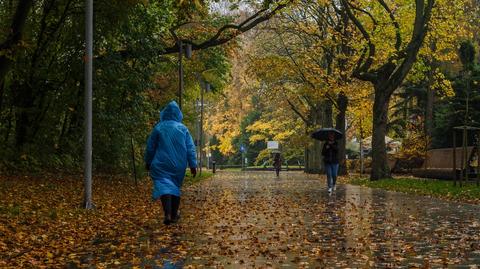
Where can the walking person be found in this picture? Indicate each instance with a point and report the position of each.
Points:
(277, 163)
(170, 149)
(330, 159)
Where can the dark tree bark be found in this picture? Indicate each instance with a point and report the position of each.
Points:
(2, 90)
(24, 105)
(312, 154)
(430, 98)
(389, 76)
(342, 104)
(14, 37)
(380, 167)
(327, 117)
(429, 111)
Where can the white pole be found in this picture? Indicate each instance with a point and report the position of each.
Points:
(88, 103)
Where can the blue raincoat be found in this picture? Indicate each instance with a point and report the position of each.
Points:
(169, 149)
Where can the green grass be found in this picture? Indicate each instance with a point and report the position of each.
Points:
(230, 169)
(189, 180)
(437, 188)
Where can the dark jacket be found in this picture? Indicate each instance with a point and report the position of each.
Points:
(330, 153)
(277, 162)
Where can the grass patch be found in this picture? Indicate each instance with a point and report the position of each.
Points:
(437, 188)
(231, 169)
(189, 180)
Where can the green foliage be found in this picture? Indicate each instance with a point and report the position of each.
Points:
(41, 102)
(452, 111)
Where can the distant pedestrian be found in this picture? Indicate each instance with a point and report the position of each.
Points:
(330, 159)
(170, 149)
(277, 163)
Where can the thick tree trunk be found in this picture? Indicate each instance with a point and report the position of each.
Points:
(321, 115)
(327, 116)
(342, 103)
(380, 168)
(313, 157)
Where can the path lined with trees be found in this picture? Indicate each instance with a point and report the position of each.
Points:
(395, 77)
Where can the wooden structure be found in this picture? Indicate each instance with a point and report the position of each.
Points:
(464, 163)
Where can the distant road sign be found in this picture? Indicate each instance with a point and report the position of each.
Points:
(273, 145)
(242, 148)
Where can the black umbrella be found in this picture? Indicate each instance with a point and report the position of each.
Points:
(322, 134)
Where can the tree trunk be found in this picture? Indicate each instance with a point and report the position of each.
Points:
(380, 168)
(429, 112)
(327, 116)
(342, 103)
(313, 153)
(313, 159)
(2, 90)
(23, 114)
(17, 26)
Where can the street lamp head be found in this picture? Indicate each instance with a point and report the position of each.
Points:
(188, 50)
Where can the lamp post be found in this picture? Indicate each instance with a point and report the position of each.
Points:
(187, 49)
(203, 90)
(87, 203)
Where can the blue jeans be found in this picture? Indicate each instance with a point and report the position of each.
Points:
(332, 171)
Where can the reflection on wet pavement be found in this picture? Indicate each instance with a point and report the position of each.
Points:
(245, 220)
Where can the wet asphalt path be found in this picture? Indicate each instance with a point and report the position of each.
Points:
(254, 220)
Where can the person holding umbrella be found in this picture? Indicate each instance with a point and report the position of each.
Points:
(330, 154)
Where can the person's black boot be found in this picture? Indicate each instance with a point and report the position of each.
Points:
(176, 218)
(167, 220)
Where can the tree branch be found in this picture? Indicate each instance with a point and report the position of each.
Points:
(217, 39)
(307, 122)
(363, 66)
(422, 18)
(398, 35)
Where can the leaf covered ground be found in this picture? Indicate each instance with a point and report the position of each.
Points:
(234, 220)
(42, 224)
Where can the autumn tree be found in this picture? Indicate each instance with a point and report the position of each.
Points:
(312, 54)
(387, 75)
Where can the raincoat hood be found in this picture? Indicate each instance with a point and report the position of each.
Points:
(171, 112)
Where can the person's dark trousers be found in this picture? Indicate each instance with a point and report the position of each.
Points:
(277, 170)
(332, 171)
(170, 204)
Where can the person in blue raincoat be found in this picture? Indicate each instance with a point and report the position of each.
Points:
(170, 149)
